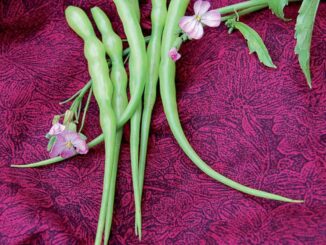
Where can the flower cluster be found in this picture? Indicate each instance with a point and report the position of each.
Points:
(193, 26)
(64, 142)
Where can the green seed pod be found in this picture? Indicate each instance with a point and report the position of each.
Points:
(79, 22)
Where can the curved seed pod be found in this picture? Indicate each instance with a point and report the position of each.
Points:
(79, 22)
(103, 90)
(138, 77)
(137, 46)
(248, 7)
(168, 95)
(170, 107)
(158, 16)
(113, 46)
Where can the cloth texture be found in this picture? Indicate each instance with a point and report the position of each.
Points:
(261, 127)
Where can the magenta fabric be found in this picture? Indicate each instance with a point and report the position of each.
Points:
(261, 127)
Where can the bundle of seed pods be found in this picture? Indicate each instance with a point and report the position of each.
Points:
(150, 59)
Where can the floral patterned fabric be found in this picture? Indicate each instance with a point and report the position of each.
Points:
(262, 127)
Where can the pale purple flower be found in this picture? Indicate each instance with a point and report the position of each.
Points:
(68, 144)
(174, 54)
(56, 129)
(193, 25)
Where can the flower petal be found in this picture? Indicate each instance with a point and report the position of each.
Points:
(58, 146)
(197, 32)
(211, 18)
(70, 135)
(188, 23)
(201, 7)
(81, 146)
(76, 140)
(68, 152)
(56, 129)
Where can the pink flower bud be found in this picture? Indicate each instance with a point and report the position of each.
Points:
(174, 54)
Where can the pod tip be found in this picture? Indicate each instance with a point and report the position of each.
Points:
(297, 201)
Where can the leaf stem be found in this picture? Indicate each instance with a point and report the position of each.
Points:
(245, 5)
(85, 110)
(239, 6)
(85, 88)
(244, 12)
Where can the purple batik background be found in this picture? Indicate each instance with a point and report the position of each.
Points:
(261, 127)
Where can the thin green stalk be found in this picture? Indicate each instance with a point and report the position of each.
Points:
(76, 105)
(238, 6)
(147, 39)
(78, 111)
(247, 10)
(244, 12)
(85, 88)
(126, 59)
(85, 110)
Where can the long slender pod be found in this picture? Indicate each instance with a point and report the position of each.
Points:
(135, 6)
(103, 90)
(138, 75)
(135, 133)
(244, 6)
(168, 95)
(133, 32)
(103, 96)
(113, 46)
(134, 151)
(158, 16)
(137, 43)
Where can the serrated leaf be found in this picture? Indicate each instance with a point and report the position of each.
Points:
(303, 34)
(277, 7)
(52, 140)
(255, 43)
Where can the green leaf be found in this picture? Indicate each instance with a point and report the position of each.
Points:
(303, 34)
(52, 140)
(255, 43)
(277, 7)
